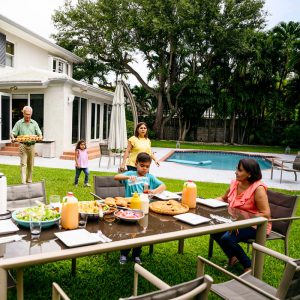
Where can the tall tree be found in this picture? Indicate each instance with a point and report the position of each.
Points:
(177, 39)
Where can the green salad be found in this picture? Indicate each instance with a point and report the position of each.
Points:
(37, 213)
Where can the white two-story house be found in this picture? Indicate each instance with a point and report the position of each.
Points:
(37, 72)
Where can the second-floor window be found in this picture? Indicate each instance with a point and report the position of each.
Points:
(60, 66)
(10, 52)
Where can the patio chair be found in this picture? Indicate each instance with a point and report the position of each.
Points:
(58, 293)
(248, 287)
(188, 290)
(107, 186)
(283, 208)
(106, 152)
(25, 195)
(286, 166)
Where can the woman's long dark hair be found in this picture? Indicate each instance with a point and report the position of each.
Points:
(251, 166)
(136, 133)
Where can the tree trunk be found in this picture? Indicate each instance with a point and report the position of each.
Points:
(185, 130)
(157, 127)
(232, 126)
(244, 132)
(224, 137)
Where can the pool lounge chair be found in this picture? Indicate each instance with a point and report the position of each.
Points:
(286, 166)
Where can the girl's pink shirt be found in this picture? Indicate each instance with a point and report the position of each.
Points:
(82, 158)
(245, 201)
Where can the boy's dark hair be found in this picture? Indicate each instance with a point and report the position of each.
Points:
(251, 166)
(143, 157)
(78, 144)
(136, 132)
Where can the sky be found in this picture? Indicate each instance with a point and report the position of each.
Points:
(36, 14)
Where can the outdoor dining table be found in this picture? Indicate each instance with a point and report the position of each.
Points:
(154, 228)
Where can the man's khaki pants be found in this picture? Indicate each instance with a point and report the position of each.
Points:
(26, 162)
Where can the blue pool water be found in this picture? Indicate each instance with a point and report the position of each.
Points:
(215, 160)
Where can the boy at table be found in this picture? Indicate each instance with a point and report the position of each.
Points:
(135, 181)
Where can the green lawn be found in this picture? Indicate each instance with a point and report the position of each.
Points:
(101, 276)
(201, 146)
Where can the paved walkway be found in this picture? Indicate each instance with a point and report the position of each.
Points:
(172, 170)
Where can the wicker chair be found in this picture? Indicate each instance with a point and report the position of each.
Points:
(248, 287)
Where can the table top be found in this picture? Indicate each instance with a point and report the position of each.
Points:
(151, 224)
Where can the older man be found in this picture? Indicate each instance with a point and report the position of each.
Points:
(26, 126)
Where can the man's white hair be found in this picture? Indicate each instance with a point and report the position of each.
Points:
(27, 108)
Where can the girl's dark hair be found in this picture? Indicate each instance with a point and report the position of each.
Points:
(251, 166)
(136, 132)
(143, 157)
(80, 142)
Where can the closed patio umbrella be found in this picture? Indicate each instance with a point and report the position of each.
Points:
(117, 139)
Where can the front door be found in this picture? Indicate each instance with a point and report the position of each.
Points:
(5, 117)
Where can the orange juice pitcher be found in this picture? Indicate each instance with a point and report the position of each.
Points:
(189, 194)
(69, 212)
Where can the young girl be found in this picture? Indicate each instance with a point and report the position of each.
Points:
(81, 162)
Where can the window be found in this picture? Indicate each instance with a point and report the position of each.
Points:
(95, 121)
(10, 52)
(79, 119)
(37, 104)
(60, 66)
(106, 120)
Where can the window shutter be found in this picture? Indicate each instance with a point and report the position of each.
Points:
(2, 49)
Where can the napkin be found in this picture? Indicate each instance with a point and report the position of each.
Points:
(7, 226)
(10, 238)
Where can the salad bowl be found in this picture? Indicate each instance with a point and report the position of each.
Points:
(48, 217)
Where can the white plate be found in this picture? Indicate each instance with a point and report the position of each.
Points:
(166, 195)
(211, 202)
(7, 226)
(78, 237)
(192, 219)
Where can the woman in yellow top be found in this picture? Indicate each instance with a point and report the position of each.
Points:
(136, 144)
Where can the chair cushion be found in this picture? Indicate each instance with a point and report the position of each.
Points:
(170, 293)
(25, 195)
(281, 206)
(235, 290)
(106, 186)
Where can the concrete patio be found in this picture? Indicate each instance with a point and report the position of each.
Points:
(172, 170)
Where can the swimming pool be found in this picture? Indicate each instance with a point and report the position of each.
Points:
(215, 159)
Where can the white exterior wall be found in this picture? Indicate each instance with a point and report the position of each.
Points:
(54, 116)
(27, 55)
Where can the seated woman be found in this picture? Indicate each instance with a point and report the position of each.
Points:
(247, 193)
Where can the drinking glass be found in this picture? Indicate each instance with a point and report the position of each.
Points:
(55, 202)
(82, 220)
(35, 227)
(109, 218)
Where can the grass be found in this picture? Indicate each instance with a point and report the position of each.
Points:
(101, 277)
(202, 146)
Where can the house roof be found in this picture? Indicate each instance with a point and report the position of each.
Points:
(26, 34)
(34, 77)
